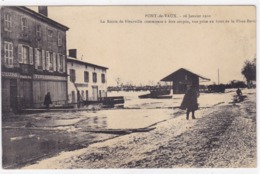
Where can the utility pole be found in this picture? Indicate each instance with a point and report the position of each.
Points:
(218, 76)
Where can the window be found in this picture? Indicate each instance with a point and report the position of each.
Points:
(86, 76)
(49, 36)
(60, 61)
(94, 77)
(8, 50)
(51, 62)
(103, 78)
(24, 24)
(73, 97)
(38, 58)
(38, 31)
(49, 39)
(59, 39)
(7, 22)
(25, 53)
(186, 77)
(72, 75)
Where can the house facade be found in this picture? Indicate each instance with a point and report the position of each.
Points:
(86, 81)
(182, 78)
(33, 58)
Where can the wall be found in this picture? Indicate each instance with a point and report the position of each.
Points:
(30, 91)
(79, 71)
(182, 80)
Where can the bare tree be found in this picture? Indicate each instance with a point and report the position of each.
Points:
(118, 81)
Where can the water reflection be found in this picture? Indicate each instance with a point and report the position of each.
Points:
(93, 123)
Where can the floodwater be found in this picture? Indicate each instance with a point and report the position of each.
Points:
(50, 133)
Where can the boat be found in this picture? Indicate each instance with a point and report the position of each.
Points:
(158, 94)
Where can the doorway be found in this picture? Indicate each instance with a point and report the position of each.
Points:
(13, 95)
(95, 93)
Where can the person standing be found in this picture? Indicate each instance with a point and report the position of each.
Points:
(47, 100)
(239, 92)
(190, 102)
(239, 95)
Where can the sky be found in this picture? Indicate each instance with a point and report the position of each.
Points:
(147, 52)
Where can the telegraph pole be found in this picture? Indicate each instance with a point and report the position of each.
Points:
(218, 76)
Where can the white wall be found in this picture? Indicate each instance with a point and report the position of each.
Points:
(79, 71)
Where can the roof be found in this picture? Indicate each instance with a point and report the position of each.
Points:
(174, 74)
(39, 16)
(70, 59)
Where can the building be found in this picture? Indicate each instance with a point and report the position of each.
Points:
(183, 78)
(86, 81)
(33, 51)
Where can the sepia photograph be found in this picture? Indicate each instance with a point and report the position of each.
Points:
(128, 87)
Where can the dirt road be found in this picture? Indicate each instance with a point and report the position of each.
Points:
(222, 136)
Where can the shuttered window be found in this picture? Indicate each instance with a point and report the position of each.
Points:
(47, 60)
(38, 58)
(59, 39)
(30, 55)
(25, 54)
(7, 22)
(58, 62)
(51, 61)
(38, 31)
(63, 64)
(54, 61)
(24, 24)
(8, 50)
(43, 60)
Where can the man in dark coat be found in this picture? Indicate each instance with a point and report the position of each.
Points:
(189, 102)
(47, 100)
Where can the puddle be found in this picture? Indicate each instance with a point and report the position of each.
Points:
(124, 119)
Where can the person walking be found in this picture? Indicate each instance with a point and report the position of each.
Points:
(47, 100)
(189, 102)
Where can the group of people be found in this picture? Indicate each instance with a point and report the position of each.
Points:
(190, 102)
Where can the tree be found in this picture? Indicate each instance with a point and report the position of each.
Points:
(249, 70)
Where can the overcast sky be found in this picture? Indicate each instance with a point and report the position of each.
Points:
(140, 53)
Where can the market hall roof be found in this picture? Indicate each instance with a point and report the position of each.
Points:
(181, 70)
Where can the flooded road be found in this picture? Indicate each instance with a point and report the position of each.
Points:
(27, 138)
(222, 136)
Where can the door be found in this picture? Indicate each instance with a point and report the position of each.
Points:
(86, 95)
(13, 95)
(26, 93)
(73, 99)
(95, 93)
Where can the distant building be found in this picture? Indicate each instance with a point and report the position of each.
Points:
(33, 51)
(86, 81)
(183, 78)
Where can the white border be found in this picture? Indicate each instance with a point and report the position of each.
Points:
(128, 2)
(144, 2)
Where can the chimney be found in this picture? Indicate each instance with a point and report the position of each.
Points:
(43, 10)
(73, 53)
